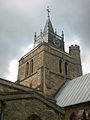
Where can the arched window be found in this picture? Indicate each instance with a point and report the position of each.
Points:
(31, 66)
(73, 116)
(65, 68)
(33, 117)
(60, 66)
(27, 69)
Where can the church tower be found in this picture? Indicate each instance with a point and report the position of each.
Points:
(48, 66)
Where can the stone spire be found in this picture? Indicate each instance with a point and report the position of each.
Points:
(48, 25)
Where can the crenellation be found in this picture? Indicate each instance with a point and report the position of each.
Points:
(73, 47)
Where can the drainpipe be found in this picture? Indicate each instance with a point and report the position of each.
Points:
(2, 110)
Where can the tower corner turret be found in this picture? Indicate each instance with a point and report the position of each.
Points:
(74, 51)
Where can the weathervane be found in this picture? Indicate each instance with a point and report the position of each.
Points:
(48, 11)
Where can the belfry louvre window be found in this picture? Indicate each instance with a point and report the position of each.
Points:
(60, 66)
(27, 69)
(31, 66)
(65, 68)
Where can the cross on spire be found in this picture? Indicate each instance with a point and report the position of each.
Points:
(48, 11)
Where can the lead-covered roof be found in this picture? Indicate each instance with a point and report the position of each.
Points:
(74, 92)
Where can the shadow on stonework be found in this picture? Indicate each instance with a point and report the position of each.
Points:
(33, 117)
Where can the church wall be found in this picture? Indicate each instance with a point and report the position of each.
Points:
(51, 61)
(4, 88)
(54, 83)
(23, 109)
(31, 81)
(21, 72)
(80, 111)
(46, 75)
(54, 79)
(37, 57)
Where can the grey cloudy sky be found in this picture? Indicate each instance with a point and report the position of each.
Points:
(19, 19)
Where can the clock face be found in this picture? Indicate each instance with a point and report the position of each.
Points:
(56, 42)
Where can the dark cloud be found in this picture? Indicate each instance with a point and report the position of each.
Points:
(19, 19)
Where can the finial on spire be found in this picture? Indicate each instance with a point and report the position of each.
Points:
(48, 11)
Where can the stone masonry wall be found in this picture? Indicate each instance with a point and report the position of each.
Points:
(31, 81)
(81, 112)
(51, 61)
(37, 63)
(23, 109)
(4, 88)
(46, 75)
(53, 84)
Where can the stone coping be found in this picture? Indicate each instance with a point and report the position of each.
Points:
(15, 85)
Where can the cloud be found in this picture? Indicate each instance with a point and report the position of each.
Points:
(27, 49)
(74, 40)
(13, 65)
(16, 32)
(12, 71)
(86, 67)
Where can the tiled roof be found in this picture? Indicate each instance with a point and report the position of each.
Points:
(74, 92)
